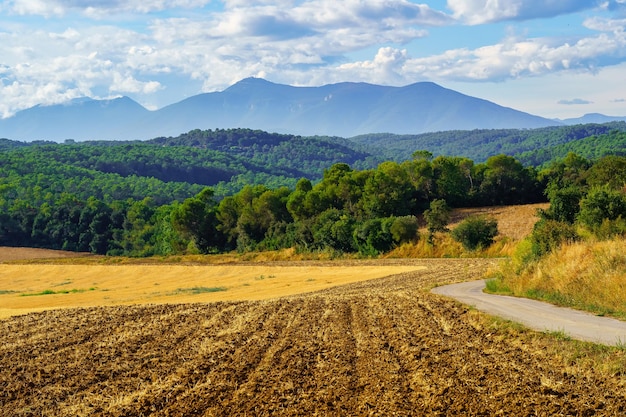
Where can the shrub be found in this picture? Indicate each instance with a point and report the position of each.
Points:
(564, 204)
(405, 229)
(373, 236)
(476, 232)
(600, 204)
(548, 235)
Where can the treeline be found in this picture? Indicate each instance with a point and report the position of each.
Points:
(586, 200)
(241, 189)
(349, 210)
(536, 147)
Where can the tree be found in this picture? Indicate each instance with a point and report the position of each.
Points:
(388, 192)
(548, 235)
(476, 232)
(451, 179)
(334, 229)
(437, 218)
(609, 170)
(507, 181)
(196, 217)
(564, 204)
(373, 236)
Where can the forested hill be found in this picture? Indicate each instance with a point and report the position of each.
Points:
(174, 168)
(170, 169)
(532, 146)
(247, 190)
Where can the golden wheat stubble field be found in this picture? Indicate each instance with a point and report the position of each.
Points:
(383, 347)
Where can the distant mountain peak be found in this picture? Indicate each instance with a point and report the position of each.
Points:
(250, 82)
(78, 100)
(343, 109)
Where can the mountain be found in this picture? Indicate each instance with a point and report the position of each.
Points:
(80, 119)
(344, 109)
(592, 118)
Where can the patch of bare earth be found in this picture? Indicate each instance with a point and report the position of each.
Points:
(382, 347)
(18, 254)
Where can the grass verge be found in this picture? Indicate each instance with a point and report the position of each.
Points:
(588, 276)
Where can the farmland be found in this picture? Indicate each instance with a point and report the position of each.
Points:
(382, 346)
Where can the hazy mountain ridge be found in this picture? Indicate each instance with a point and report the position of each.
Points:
(344, 109)
(592, 118)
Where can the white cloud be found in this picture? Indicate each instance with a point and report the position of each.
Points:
(476, 12)
(96, 9)
(304, 42)
(385, 68)
(515, 58)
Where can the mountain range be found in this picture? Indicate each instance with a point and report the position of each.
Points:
(343, 109)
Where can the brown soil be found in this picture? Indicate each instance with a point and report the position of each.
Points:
(379, 348)
(17, 254)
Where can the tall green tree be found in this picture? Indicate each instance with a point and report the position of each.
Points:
(196, 217)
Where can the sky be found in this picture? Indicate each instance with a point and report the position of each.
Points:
(552, 58)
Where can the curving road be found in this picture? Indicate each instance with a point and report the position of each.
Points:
(538, 315)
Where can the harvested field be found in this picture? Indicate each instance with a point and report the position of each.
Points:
(381, 347)
(515, 222)
(13, 254)
(29, 288)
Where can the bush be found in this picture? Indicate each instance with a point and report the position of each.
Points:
(564, 204)
(600, 204)
(373, 236)
(476, 232)
(548, 235)
(405, 229)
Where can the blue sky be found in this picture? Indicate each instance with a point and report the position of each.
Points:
(553, 58)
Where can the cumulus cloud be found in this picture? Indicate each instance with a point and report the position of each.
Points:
(95, 8)
(513, 58)
(304, 42)
(476, 12)
(385, 68)
(55, 67)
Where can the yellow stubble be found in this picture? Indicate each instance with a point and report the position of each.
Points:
(29, 288)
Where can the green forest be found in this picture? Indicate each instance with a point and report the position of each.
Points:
(247, 190)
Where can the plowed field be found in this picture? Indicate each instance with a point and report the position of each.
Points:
(383, 347)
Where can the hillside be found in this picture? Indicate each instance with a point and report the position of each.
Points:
(176, 168)
(532, 146)
(382, 347)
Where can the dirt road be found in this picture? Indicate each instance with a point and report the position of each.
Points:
(538, 315)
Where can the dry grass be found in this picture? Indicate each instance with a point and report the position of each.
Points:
(514, 224)
(586, 275)
(58, 279)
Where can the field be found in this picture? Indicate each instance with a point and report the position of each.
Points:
(379, 347)
(36, 287)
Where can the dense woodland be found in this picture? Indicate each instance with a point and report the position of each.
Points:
(223, 190)
(536, 147)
